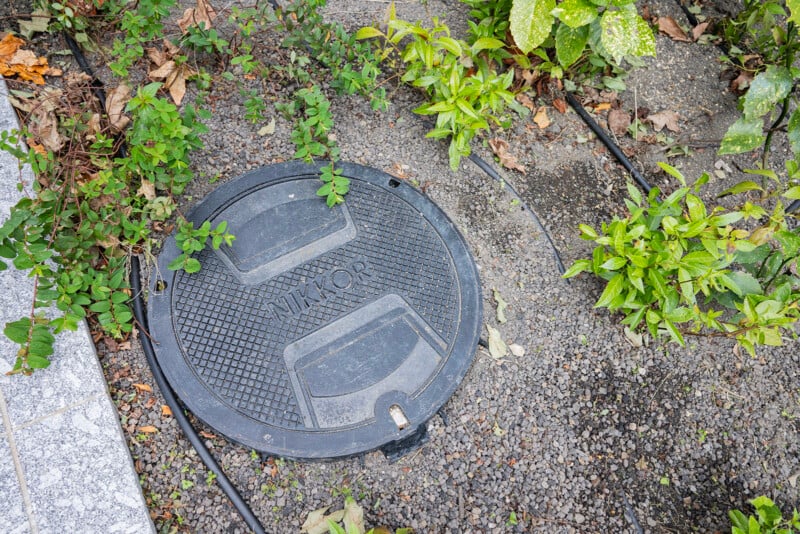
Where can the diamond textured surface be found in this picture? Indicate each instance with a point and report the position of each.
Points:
(224, 338)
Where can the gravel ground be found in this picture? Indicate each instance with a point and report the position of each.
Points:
(559, 436)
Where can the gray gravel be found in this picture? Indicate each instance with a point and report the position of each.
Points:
(555, 436)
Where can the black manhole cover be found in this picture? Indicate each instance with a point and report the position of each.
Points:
(321, 332)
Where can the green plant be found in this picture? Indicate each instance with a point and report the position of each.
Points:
(771, 31)
(190, 240)
(464, 90)
(610, 30)
(680, 269)
(767, 520)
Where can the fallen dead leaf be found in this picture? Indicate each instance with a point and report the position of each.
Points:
(740, 84)
(541, 119)
(507, 160)
(23, 64)
(268, 129)
(665, 118)
(202, 16)
(517, 350)
(603, 106)
(149, 429)
(166, 411)
(43, 124)
(669, 27)
(618, 121)
(116, 100)
(174, 77)
(207, 435)
(560, 105)
(698, 30)
(147, 190)
(526, 101)
(143, 387)
(497, 347)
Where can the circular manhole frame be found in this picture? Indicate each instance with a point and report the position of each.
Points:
(316, 443)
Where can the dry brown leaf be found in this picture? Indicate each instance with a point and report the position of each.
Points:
(143, 387)
(603, 106)
(207, 435)
(560, 105)
(147, 190)
(43, 124)
(174, 77)
(698, 30)
(526, 101)
(166, 411)
(742, 82)
(149, 429)
(507, 160)
(669, 27)
(116, 100)
(93, 124)
(202, 15)
(109, 241)
(665, 118)
(541, 119)
(618, 121)
(23, 63)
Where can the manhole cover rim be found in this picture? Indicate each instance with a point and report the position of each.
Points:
(228, 421)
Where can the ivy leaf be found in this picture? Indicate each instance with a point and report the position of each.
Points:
(766, 91)
(531, 22)
(743, 135)
(576, 13)
(570, 43)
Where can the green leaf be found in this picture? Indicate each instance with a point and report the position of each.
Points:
(766, 91)
(614, 263)
(790, 242)
(531, 22)
(192, 265)
(793, 129)
(743, 135)
(745, 282)
(576, 13)
(570, 43)
(672, 171)
(674, 332)
(18, 330)
(612, 290)
(487, 43)
(578, 267)
(741, 187)
(38, 362)
(793, 193)
(619, 33)
(794, 10)
(646, 45)
(368, 32)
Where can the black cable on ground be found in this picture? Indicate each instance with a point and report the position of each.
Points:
(488, 169)
(138, 310)
(629, 513)
(177, 410)
(610, 144)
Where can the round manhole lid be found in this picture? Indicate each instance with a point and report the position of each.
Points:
(320, 332)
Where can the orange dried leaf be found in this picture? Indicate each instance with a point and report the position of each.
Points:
(166, 411)
(541, 119)
(602, 106)
(149, 429)
(507, 160)
(143, 387)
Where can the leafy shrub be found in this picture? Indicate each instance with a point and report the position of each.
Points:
(680, 269)
(768, 519)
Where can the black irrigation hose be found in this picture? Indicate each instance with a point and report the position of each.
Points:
(177, 410)
(488, 169)
(147, 346)
(612, 146)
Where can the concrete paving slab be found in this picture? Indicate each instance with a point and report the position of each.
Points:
(14, 516)
(70, 470)
(72, 463)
